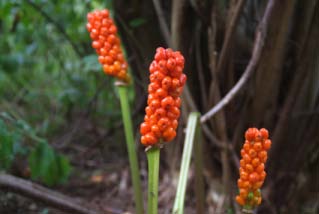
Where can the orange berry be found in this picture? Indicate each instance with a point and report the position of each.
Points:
(240, 200)
(246, 184)
(257, 136)
(247, 158)
(166, 82)
(112, 29)
(243, 193)
(257, 185)
(167, 102)
(183, 79)
(244, 176)
(246, 146)
(163, 123)
(155, 129)
(105, 13)
(145, 128)
(178, 101)
(255, 162)
(257, 146)
(117, 65)
(242, 152)
(252, 153)
(175, 83)
(144, 140)
(260, 168)
(161, 93)
(96, 44)
(249, 168)
(254, 177)
(169, 134)
(160, 112)
(150, 138)
(259, 200)
(171, 64)
(155, 103)
(174, 124)
(242, 163)
(148, 111)
(153, 87)
(262, 155)
(173, 112)
(264, 133)
(250, 134)
(263, 175)
(240, 183)
(267, 144)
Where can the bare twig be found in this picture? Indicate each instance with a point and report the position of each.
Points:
(199, 67)
(178, 14)
(42, 194)
(229, 35)
(258, 47)
(228, 40)
(162, 22)
(56, 24)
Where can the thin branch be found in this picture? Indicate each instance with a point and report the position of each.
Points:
(228, 40)
(42, 194)
(199, 67)
(258, 47)
(56, 24)
(229, 36)
(162, 22)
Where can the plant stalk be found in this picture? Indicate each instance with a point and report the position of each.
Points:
(186, 158)
(153, 156)
(199, 179)
(135, 172)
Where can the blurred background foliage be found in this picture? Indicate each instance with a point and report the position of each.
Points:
(49, 76)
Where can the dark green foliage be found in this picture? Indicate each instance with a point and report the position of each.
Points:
(49, 75)
(47, 165)
(9, 146)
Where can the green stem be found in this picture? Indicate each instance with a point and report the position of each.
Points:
(135, 172)
(199, 179)
(153, 156)
(186, 158)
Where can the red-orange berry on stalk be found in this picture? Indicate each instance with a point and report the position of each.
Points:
(105, 41)
(166, 85)
(252, 167)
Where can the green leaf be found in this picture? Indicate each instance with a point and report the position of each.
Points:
(64, 168)
(46, 165)
(192, 124)
(9, 146)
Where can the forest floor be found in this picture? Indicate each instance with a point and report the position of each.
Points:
(101, 180)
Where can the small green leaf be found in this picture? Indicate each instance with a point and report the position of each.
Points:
(8, 146)
(48, 166)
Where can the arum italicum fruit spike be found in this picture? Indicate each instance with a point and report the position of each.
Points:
(103, 32)
(163, 104)
(162, 112)
(105, 41)
(252, 167)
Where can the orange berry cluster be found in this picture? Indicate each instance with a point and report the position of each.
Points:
(252, 167)
(103, 32)
(163, 103)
